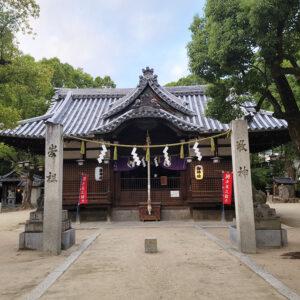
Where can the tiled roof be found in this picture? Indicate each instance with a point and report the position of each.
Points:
(284, 180)
(82, 111)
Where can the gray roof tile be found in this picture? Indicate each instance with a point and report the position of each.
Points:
(81, 111)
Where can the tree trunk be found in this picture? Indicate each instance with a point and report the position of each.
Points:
(27, 191)
(292, 112)
(294, 131)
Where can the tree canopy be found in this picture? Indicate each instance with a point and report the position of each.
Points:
(64, 75)
(245, 48)
(26, 85)
(191, 79)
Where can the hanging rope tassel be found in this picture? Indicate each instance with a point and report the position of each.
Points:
(228, 134)
(82, 148)
(148, 154)
(212, 141)
(115, 153)
(181, 152)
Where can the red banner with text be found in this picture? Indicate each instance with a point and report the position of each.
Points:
(227, 187)
(83, 189)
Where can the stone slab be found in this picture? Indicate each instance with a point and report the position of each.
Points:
(34, 240)
(67, 239)
(150, 245)
(273, 224)
(31, 241)
(38, 216)
(264, 238)
(38, 226)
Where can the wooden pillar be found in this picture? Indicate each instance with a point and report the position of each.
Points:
(242, 187)
(53, 189)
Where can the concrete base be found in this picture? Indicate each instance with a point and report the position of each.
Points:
(175, 214)
(34, 240)
(264, 238)
(125, 215)
(212, 214)
(150, 245)
(67, 239)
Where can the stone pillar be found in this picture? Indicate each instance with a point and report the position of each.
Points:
(53, 189)
(242, 187)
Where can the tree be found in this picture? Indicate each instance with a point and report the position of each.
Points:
(64, 75)
(14, 17)
(25, 88)
(245, 48)
(191, 79)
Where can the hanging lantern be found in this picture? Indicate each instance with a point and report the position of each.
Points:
(80, 162)
(20, 164)
(199, 172)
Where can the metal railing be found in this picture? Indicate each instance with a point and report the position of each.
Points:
(128, 184)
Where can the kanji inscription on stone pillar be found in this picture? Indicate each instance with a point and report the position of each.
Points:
(53, 189)
(242, 187)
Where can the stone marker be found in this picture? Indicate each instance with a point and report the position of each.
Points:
(242, 187)
(53, 189)
(150, 245)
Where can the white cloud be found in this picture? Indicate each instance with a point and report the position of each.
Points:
(115, 37)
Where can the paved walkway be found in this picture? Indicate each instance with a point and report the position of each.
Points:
(188, 266)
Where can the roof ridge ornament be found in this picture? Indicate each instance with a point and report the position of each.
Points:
(148, 76)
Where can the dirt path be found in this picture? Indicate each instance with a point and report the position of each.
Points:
(289, 213)
(283, 268)
(188, 266)
(21, 271)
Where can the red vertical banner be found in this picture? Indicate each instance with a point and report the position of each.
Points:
(83, 189)
(227, 187)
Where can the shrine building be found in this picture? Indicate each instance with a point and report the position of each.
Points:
(188, 183)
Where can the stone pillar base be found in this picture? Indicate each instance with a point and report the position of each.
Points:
(34, 240)
(265, 238)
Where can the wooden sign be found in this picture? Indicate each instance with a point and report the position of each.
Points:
(163, 180)
(174, 194)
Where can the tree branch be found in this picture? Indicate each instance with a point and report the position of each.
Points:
(277, 109)
(263, 73)
(261, 100)
(292, 71)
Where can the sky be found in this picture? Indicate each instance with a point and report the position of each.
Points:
(116, 37)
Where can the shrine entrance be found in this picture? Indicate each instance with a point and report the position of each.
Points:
(168, 183)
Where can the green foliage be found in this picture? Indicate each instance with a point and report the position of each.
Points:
(245, 48)
(25, 86)
(8, 157)
(64, 75)
(191, 79)
(262, 173)
(14, 17)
